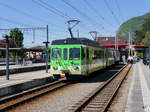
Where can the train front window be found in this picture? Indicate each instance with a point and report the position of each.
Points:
(56, 53)
(74, 53)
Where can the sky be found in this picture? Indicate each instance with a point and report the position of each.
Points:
(103, 16)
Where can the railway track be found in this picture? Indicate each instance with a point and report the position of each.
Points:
(100, 99)
(9, 102)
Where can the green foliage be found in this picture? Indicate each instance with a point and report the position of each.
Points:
(132, 25)
(146, 40)
(139, 36)
(143, 35)
(140, 26)
(139, 54)
(17, 36)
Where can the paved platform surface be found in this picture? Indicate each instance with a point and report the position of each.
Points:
(139, 92)
(23, 77)
(22, 66)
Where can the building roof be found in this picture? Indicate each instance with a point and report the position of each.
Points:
(11, 44)
(38, 47)
(111, 40)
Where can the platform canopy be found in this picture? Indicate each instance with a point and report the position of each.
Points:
(122, 45)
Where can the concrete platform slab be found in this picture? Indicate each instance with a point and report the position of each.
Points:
(20, 68)
(22, 81)
(139, 93)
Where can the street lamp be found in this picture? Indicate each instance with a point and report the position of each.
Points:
(70, 27)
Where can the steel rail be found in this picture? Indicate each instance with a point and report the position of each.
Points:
(82, 104)
(18, 98)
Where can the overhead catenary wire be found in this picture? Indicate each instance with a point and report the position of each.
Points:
(54, 11)
(119, 10)
(97, 12)
(15, 22)
(112, 12)
(94, 23)
(22, 12)
(30, 16)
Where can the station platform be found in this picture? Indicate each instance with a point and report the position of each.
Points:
(23, 81)
(22, 68)
(139, 93)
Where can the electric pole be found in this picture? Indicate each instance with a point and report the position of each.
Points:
(7, 57)
(46, 45)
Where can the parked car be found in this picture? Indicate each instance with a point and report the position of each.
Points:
(146, 61)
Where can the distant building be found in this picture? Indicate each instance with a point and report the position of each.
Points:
(34, 51)
(111, 40)
(12, 44)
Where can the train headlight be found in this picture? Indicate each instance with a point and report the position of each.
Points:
(55, 68)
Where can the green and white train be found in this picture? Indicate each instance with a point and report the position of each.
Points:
(78, 57)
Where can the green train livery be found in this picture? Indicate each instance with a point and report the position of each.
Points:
(78, 57)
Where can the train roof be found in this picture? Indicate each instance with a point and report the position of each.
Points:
(69, 41)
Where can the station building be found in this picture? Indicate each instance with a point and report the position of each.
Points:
(123, 46)
(30, 53)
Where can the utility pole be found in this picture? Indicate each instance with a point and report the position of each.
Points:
(46, 45)
(7, 57)
(149, 53)
(129, 44)
(71, 27)
(93, 34)
(78, 34)
(116, 43)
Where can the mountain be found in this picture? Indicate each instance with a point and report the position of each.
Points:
(132, 25)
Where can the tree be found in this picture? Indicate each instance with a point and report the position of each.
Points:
(143, 35)
(146, 40)
(17, 36)
(139, 35)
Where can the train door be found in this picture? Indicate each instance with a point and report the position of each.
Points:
(87, 60)
(106, 58)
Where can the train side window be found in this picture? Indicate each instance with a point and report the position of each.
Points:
(96, 54)
(82, 53)
(65, 53)
(87, 53)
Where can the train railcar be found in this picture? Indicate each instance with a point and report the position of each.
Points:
(78, 57)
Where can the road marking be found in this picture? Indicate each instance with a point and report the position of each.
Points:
(145, 90)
